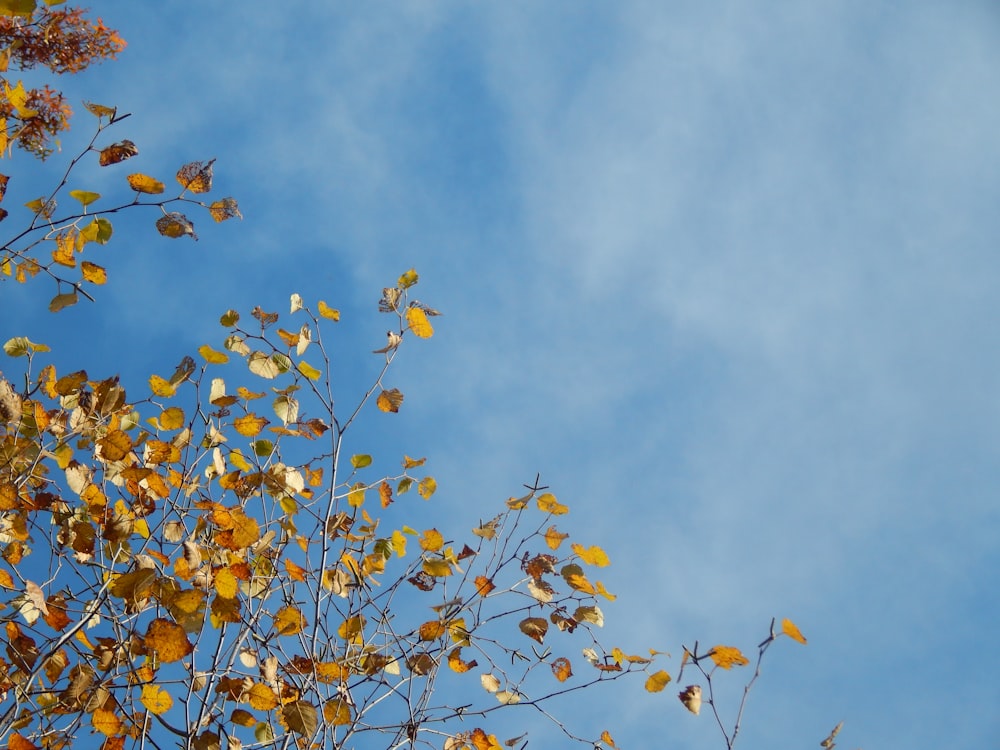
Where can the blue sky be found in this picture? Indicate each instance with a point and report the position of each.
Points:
(725, 275)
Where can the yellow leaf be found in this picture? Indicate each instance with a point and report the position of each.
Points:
(142, 183)
(789, 628)
(418, 322)
(224, 209)
(607, 740)
(431, 630)
(356, 497)
(289, 621)
(161, 387)
(657, 681)
(351, 628)
(431, 540)
(547, 503)
(553, 538)
(337, 712)
(573, 575)
(249, 425)
(196, 176)
(93, 273)
(172, 418)
(84, 196)
(225, 583)
(261, 697)
(65, 246)
(408, 279)
(328, 312)
(308, 370)
(295, 572)
(728, 656)
(390, 400)
(437, 568)
(168, 640)
(106, 722)
(156, 699)
(592, 556)
(427, 487)
(412, 463)
(211, 356)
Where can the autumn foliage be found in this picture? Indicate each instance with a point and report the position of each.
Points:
(207, 559)
(61, 40)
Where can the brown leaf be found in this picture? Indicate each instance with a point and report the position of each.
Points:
(196, 176)
(118, 152)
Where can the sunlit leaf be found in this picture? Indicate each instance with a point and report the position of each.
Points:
(431, 630)
(289, 621)
(436, 567)
(168, 640)
(196, 176)
(592, 555)
(328, 312)
(408, 279)
(657, 681)
(261, 697)
(161, 387)
(789, 628)
(361, 460)
(553, 538)
(337, 712)
(431, 540)
(562, 669)
(93, 273)
(547, 503)
(106, 721)
(418, 323)
(389, 400)
(156, 699)
(21, 346)
(249, 425)
(484, 585)
(728, 656)
(427, 487)
(142, 183)
(84, 196)
(308, 370)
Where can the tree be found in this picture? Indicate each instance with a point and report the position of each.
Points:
(208, 563)
(61, 40)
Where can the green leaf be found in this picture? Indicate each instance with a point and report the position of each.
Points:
(408, 279)
(361, 460)
(229, 318)
(99, 231)
(301, 718)
(84, 196)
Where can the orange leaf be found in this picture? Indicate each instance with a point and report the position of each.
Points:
(295, 572)
(431, 630)
(728, 656)
(118, 152)
(592, 556)
(788, 628)
(168, 640)
(142, 183)
(106, 722)
(484, 585)
(390, 400)
(562, 669)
